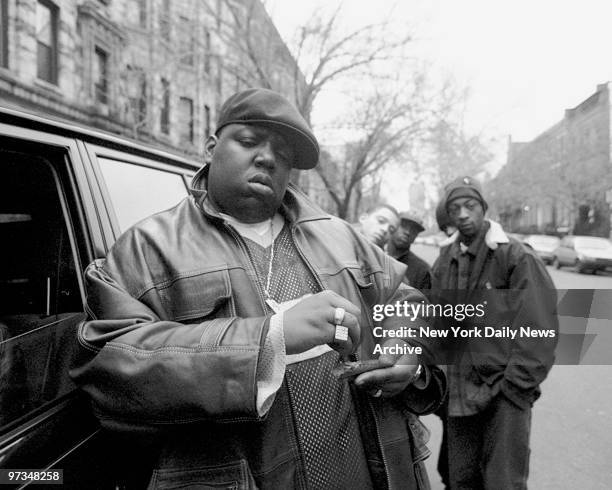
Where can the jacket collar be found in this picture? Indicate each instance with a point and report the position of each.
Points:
(494, 236)
(296, 207)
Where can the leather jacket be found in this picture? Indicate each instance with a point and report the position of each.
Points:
(174, 302)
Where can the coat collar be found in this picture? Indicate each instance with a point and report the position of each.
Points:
(494, 236)
(296, 207)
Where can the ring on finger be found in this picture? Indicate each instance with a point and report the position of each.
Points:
(339, 315)
(342, 333)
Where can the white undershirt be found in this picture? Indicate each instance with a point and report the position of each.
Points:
(258, 232)
(272, 358)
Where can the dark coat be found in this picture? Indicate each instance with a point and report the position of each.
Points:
(517, 292)
(418, 272)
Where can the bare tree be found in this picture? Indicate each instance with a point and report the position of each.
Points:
(385, 126)
(252, 54)
(454, 152)
(323, 52)
(326, 53)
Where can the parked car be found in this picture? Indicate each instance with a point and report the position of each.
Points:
(517, 236)
(434, 239)
(429, 240)
(544, 246)
(66, 194)
(583, 253)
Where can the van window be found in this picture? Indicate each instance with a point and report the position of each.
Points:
(137, 191)
(40, 299)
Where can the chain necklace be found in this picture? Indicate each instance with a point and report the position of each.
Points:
(269, 300)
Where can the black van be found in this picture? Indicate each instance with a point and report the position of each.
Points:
(66, 194)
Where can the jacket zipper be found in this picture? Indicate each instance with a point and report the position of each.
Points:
(355, 356)
(244, 250)
(382, 451)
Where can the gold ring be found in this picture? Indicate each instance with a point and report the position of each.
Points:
(341, 333)
(378, 393)
(339, 316)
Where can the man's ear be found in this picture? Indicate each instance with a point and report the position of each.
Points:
(209, 147)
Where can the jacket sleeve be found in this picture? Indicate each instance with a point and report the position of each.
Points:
(140, 369)
(534, 300)
(430, 398)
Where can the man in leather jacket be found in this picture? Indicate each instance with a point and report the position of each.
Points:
(216, 327)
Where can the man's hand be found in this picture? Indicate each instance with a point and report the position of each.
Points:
(390, 381)
(311, 322)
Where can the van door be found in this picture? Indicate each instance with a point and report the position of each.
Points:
(45, 422)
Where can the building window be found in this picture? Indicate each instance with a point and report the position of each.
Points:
(187, 44)
(206, 121)
(186, 120)
(142, 13)
(4, 33)
(164, 20)
(100, 75)
(137, 95)
(165, 109)
(142, 100)
(46, 40)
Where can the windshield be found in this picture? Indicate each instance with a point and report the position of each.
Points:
(593, 242)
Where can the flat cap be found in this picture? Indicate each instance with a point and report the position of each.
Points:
(413, 218)
(265, 107)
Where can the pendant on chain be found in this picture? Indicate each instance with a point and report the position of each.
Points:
(273, 304)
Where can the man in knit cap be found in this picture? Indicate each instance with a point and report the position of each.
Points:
(493, 382)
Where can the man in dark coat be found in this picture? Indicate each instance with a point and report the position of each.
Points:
(418, 272)
(493, 380)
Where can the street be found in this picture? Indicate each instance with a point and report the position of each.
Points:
(572, 421)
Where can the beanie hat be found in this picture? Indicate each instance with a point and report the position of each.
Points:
(463, 187)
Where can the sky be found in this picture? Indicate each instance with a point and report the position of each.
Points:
(524, 61)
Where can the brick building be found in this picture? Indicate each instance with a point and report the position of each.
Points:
(561, 181)
(156, 70)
